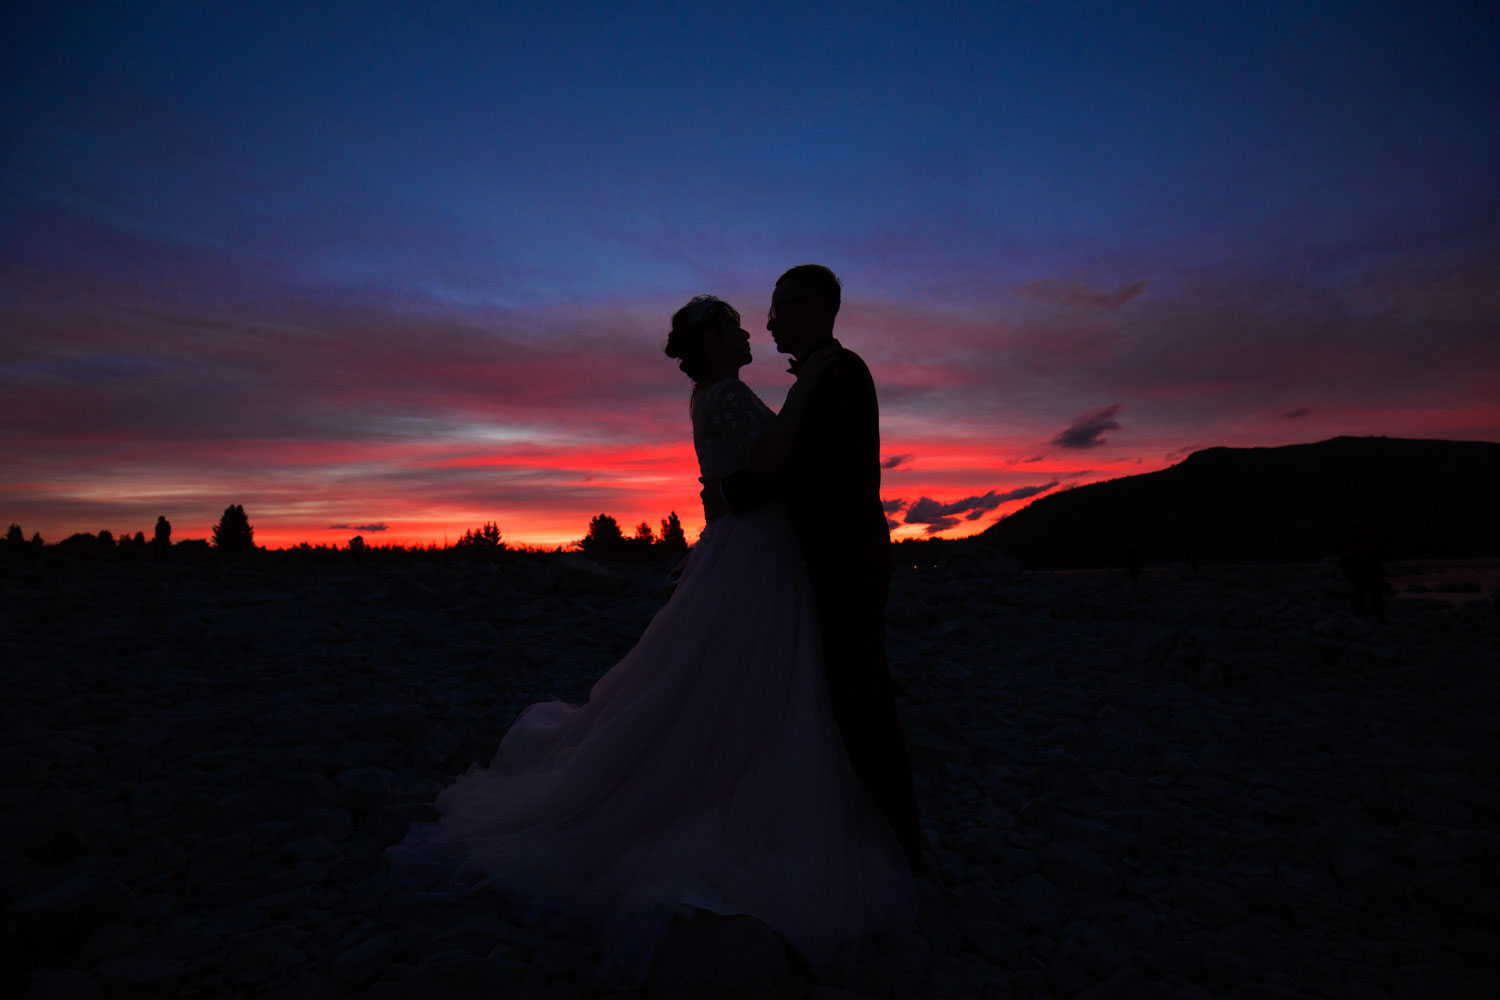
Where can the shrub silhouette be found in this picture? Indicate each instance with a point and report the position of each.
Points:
(233, 534)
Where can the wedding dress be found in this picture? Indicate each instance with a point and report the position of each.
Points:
(705, 770)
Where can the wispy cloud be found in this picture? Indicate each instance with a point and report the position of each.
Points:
(1076, 293)
(1088, 430)
(938, 516)
(378, 526)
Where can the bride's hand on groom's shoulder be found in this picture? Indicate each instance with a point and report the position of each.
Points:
(811, 370)
(814, 365)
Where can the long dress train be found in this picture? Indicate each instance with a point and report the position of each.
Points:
(704, 770)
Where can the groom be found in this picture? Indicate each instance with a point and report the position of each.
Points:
(830, 482)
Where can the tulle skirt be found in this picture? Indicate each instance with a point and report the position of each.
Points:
(705, 770)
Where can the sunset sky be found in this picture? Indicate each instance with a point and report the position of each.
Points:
(397, 269)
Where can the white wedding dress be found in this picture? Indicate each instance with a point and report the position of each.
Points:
(705, 770)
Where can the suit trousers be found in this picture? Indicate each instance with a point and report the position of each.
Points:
(851, 614)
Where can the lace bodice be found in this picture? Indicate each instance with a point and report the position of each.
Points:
(727, 418)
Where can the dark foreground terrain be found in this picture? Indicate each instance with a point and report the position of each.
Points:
(1188, 787)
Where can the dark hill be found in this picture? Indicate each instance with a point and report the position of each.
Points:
(1298, 502)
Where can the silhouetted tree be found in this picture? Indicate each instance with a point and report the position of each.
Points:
(133, 546)
(192, 548)
(604, 539)
(233, 533)
(487, 537)
(644, 535)
(15, 537)
(88, 546)
(673, 539)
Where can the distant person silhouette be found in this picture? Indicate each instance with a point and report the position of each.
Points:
(829, 479)
(161, 543)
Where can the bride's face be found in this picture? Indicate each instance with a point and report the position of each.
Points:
(728, 347)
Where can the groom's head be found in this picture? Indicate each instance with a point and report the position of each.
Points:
(803, 307)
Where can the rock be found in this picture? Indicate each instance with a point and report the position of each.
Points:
(187, 936)
(1075, 868)
(1123, 985)
(1040, 901)
(1368, 873)
(312, 849)
(66, 908)
(994, 940)
(1215, 905)
(1065, 974)
(311, 986)
(153, 800)
(953, 977)
(475, 936)
(334, 824)
(1224, 970)
(68, 984)
(574, 574)
(108, 942)
(1171, 957)
(365, 961)
(394, 722)
(217, 861)
(255, 951)
(979, 843)
(158, 859)
(156, 974)
(55, 825)
(563, 960)
(728, 957)
(240, 920)
(1066, 776)
(363, 789)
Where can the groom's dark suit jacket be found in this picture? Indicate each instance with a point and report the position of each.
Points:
(830, 483)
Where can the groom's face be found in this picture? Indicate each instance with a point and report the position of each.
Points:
(792, 319)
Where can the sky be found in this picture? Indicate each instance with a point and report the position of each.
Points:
(400, 269)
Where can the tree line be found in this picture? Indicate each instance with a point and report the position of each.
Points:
(234, 536)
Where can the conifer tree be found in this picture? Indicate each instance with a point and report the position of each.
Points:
(673, 539)
(233, 533)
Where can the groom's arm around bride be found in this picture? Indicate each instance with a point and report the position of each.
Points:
(822, 458)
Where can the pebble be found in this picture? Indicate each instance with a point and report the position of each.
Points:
(1194, 786)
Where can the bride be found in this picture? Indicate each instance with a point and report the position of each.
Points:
(706, 769)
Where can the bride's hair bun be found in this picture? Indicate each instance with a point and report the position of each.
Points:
(689, 326)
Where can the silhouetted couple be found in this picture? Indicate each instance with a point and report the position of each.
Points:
(746, 756)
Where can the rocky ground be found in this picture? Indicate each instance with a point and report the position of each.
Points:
(1223, 785)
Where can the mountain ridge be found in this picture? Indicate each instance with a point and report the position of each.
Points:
(1408, 496)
